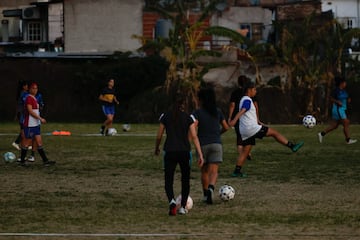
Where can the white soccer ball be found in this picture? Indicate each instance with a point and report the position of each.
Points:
(126, 127)
(309, 121)
(189, 203)
(111, 132)
(226, 192)
(9, 157)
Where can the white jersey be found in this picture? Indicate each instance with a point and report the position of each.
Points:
(248, 125)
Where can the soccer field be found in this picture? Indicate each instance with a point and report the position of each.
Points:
(112, 188)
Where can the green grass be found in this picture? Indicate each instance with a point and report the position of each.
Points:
(115, 185)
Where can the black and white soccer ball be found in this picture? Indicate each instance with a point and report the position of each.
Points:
(226, 192)
(126, 127)
(309, 121)
(9, 157)
(189, 202)
(111, 132)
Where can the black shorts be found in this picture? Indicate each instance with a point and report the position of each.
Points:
(260, 134)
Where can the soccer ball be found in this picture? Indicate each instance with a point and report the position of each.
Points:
(189, 203)
(126, 127)
(9, 157)
(111, 132)
(226, 192)
(309, 121)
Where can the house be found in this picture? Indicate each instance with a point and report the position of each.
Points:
(102, 26)
(347, 12)
(73, 26)
(106, 26)
(28, 25)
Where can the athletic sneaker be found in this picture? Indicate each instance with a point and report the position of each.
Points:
(172, 208)
(182, 211)
(48, 163)
(15, 145)
(351, 141)
(31, 159)
(297, 146)
(210, 196)
(320, 137)
(239, 174)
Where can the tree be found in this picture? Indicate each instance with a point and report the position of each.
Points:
(313, 52)
(181, 48)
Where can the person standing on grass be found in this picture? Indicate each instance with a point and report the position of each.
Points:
(340, 100)
(32, 121)
(251, 129)
(208, 120)
(108, 101)
(179, 127)
(21, 95)
(235, 98)
(40, 100)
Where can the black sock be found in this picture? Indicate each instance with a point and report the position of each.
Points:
(237, 169)
(323, 133)
(23, 154)
(204, 191)
(290, 144)
(18, 139)
(347, 139)
(42, 154)
(33, 153)
(211, 187)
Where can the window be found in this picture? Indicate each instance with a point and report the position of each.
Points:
(34, 31)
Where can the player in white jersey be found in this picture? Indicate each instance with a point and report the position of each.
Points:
(251, 129)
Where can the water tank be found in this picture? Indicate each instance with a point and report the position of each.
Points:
(162, 28)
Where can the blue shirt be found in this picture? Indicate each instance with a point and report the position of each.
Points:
(209, 129)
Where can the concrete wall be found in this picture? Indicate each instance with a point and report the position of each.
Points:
(102, 25)
(234, 16)
(343, 9)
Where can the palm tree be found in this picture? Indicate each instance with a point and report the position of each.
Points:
(181, 48)
(313, 53)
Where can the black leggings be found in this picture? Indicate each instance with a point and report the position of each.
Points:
(171, 159)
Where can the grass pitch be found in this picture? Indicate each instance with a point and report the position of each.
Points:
(112, 188)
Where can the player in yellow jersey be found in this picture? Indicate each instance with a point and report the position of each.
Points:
(108, 101)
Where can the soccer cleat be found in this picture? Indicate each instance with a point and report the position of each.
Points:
(351, 141)
(172, 208)
(15, 145)
(31, 159)
(239, 174)
(182, 211)
(48, 163)
(297, 146)
(210, 196)
(320, 137)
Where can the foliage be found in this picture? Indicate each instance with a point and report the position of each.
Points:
(313, 53)
(181, 48)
